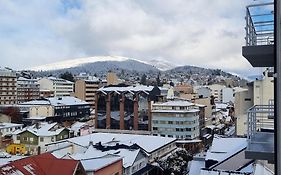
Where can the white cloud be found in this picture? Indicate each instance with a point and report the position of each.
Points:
(203, 33)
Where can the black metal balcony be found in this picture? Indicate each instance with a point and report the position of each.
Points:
(260, 133)
(259, 49)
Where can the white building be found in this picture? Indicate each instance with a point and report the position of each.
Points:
(216, 91)
(61, 87)
(177, 119)
(8, 87)
(9, 128)
(227, 95)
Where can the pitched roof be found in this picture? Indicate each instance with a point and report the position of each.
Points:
(40, 165)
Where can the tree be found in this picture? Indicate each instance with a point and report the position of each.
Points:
(158, 81)
(14, 113)
(67, 76)
(143, 80)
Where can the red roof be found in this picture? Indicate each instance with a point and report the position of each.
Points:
(44, 164)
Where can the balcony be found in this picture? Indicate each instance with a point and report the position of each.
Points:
(259, 49)
(260, 136)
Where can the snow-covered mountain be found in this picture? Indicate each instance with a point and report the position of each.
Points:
(157, 63)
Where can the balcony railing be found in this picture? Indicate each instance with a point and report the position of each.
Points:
(260, 132)
(259, 24)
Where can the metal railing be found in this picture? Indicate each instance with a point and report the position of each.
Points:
(260, 120)
(259, 24)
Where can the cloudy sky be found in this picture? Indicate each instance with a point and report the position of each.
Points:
(206, 33)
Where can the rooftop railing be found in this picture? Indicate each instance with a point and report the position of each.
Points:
(259, 24)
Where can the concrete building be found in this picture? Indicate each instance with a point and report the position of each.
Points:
(125, 107)
(45, 93)
(86, 90)
(183, 88)
(27, 89)
(8, 87)
(263, 89)
(227, 95)
(204, 92)
(216, 91)
(177, 119)
(60, 86)
(243, 101)
(111, 78)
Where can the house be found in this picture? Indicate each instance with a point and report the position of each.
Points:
(9, 128)
(36, 136)
(81, 128)
(43, 164)
(138, 152)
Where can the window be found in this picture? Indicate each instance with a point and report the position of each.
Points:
(18, 137)
(25, 138)
(170, 122)
(31, 139)
(41, 139)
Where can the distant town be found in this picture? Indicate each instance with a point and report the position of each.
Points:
(117, 116)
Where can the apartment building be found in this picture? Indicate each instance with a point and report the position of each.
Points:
(8, 86)
(177, 119)
(61, 87)
(86, 90)
(27, 89)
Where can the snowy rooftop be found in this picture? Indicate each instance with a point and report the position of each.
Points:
(59, 80)
(57, 101)
(127, 89)
(174, 103)
(98, 163)
(223, 148)
(146, 142)
(175, 111)
(9, 125)
(43, 129)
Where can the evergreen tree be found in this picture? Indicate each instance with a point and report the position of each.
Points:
(143, 80)
(67, 76)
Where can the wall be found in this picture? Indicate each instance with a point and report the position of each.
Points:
(112, 169)
(41, 111)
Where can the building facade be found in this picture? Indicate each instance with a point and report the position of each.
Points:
(27, 89)
(177, 119)
(125, 107)
(8, 87)
(86, 90)
(61, 87)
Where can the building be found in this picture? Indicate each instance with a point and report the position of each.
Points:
(138, 152)
(216, 90)
(86, 90)
(57, 108)
(27, 89)
(183, 88)
(8, 87)
(227, 95)
(61, 87)
(177, 119)
(36, 136)
(9, 128)
(45, 93)
(111, 78)
(125, 107)
(263, 50)
(43, 164)
(204, 92)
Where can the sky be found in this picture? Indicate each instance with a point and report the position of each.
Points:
(205, 33)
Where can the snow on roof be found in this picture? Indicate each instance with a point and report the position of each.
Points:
(96, 164)
(57, 101)
(221, 105)
(9, 125)
(175, 111)
(59, 80)
(43, 130)
(128, 88)
(77, 125)
(146, 142)
(174, 103)
(196, 166)
(222, 148)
